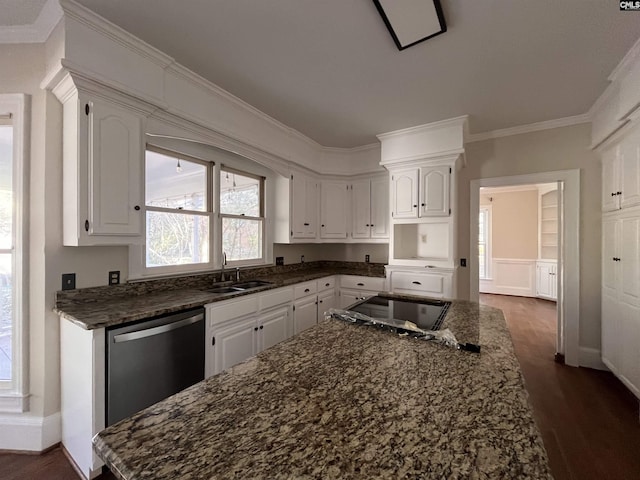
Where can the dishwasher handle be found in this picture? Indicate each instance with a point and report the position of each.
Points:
(149, 332)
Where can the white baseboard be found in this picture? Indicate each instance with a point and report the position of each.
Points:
(25, 432)
(591, 358)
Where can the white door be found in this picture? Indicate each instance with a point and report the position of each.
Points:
(326, 300)
(115, 170)
(380, 208)
(434, 188)
(361, 201)
(273, 328)
(233, 344)
(333, 209)
(610, 198)
(404, 196)
(610, 235)
(305, 314)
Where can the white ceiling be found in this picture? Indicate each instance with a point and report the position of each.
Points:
(28, 21)
(330, 69)
(19, 12)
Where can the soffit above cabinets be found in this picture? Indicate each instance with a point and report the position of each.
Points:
(332, 71)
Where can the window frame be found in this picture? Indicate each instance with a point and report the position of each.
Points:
(487, 242)
(209, 212)
(14, 393)
(262, 218)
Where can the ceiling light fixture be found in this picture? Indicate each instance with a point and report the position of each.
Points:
(412, 21)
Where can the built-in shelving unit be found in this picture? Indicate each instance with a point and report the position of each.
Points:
(548, 228)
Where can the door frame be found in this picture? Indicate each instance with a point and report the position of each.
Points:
(568, 278)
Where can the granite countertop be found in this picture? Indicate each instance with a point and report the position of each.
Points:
(345, 401)
(102, 307)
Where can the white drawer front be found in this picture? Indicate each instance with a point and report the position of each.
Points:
(276, 297)
(363, 283)
(224, 311)
(326, 283)
(432, 283)
(304, 289)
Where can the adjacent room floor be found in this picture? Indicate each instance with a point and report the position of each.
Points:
(589, 421)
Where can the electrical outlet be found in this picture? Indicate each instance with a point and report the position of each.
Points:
(301, 258)
(114, 277)
(366, 258)
(279, 260)
(463, 262)
(68, 281)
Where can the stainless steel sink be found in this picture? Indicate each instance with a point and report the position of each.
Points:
(225, 290)
(251, 284)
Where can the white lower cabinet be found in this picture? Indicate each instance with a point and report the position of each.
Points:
(436, 283)
(305, 313)
(326, 300)
(232, 344)
(546, 279)
(273, 327)
(354, 288)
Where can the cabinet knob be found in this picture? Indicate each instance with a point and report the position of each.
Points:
(306, 290)
(415, 206)
(367, 225)
(327, 284)
(613, 194)
(137, 207)
(618, 193)
(261, 327)
(616, 259)
(372, 225)
(322, 225)
(423, 204)
(255, 329)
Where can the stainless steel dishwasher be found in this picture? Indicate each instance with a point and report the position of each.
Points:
(151, 360)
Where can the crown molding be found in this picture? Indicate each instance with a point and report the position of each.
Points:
(428, 127)
(532, 127)
(36, 32)
(626, 63)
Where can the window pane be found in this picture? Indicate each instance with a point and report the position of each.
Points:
(6, 185)
(241, 238)
(6, 316)
(239, 194)
(169, 188)
(176, 239)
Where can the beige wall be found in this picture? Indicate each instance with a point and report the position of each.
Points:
(545, 151)
(514, 224)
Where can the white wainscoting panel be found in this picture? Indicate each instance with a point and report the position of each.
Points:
(511, 276)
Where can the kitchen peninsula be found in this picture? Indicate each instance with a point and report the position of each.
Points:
(345, 401)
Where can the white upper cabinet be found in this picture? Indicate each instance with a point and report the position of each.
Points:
(304, 206)
(404, 193)
(420, 192)
(370, 208)
(434, 191)
(333, 209)
(103, 157)
(621, 173)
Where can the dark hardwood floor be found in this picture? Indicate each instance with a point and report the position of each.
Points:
(588, 419)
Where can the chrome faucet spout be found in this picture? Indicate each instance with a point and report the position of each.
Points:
(224, 262)
(237, 274)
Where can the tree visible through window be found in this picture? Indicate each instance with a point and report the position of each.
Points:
(241, 212)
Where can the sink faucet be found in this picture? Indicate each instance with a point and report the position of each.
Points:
(224, 262)
(237, 274)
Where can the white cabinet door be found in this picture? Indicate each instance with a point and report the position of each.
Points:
(610, 235)
(629, 262)
(273, 328)
(304, 206)
(361, 206)
(404, 193)
(326, 300)
(233, 344)
(305, 313)
(333, 209)
(611, 339)
(544, 277)
(380, 208)
(610, 197)
(115, 170)
(434, 191)
(629, 162)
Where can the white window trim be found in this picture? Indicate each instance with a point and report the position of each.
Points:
(14, 395)
(488, 240)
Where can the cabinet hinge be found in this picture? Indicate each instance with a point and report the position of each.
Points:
(213, 341)
(86, 109)
(86, 225)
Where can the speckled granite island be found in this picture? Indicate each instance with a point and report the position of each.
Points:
(345, 401)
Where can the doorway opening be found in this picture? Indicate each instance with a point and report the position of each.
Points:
(505, 258)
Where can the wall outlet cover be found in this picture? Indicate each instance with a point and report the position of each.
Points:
(463, 262)
(301, 258)
(114, 277)
(68, 281)
(279, 260)
(366, 258)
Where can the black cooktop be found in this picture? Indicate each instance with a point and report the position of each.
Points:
(427, 314)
